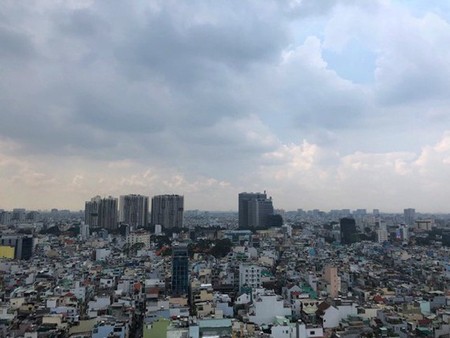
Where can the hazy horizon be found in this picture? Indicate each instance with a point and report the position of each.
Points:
(368, 210)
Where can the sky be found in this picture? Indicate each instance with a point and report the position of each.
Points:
(323, 104)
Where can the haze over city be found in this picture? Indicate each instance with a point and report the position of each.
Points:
(323, 104)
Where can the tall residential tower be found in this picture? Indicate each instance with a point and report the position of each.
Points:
(167, 210)
(133, 210)
(91, 211)
(410, 216)
(101, 212)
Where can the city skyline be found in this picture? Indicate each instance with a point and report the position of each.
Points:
(408, 213)
(324, 104)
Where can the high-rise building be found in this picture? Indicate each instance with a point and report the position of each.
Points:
(84, 231)
(133, 210)
(5, 217)
(101, 212)
(402, 233)
(18, 214)
(167, 210)
(382, 232)
(255, 210)
(22, 244)
(410, 216)
(107, 213)
(180, 270)
(91, 211)
(360, 212)
(348, 230)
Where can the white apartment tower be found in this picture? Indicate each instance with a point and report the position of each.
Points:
(84, 231)
(382, 232)
(250, 276)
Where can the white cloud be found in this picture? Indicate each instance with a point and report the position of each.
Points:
(389, 181)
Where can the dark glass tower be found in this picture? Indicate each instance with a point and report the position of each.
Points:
(27, 247)
(180, 270)
(348, 230)
(255, 210)
(23, 245)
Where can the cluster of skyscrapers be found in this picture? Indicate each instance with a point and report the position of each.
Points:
(255, 211)
(133, 210)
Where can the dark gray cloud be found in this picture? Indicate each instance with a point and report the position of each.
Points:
(188, 54)
(109, 79)
(117, 110)
(16, 45)
(81, 23)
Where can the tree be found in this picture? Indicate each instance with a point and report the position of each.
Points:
(51, 231)
(161, 241)
(136, 247)
(221, 248)
(354, 238)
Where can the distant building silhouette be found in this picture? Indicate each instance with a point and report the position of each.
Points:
(18, 214)
(5, 217)
(446, 238)
(382, 233)
(410, 216)
(255, 210)
(167, 210)
(180, 270)
(133, 210)
(348, 230)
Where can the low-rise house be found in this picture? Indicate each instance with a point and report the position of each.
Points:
(266, 307)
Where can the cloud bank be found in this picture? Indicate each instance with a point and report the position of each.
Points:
(330, 104)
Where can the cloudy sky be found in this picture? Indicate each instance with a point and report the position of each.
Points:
(325, 104)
